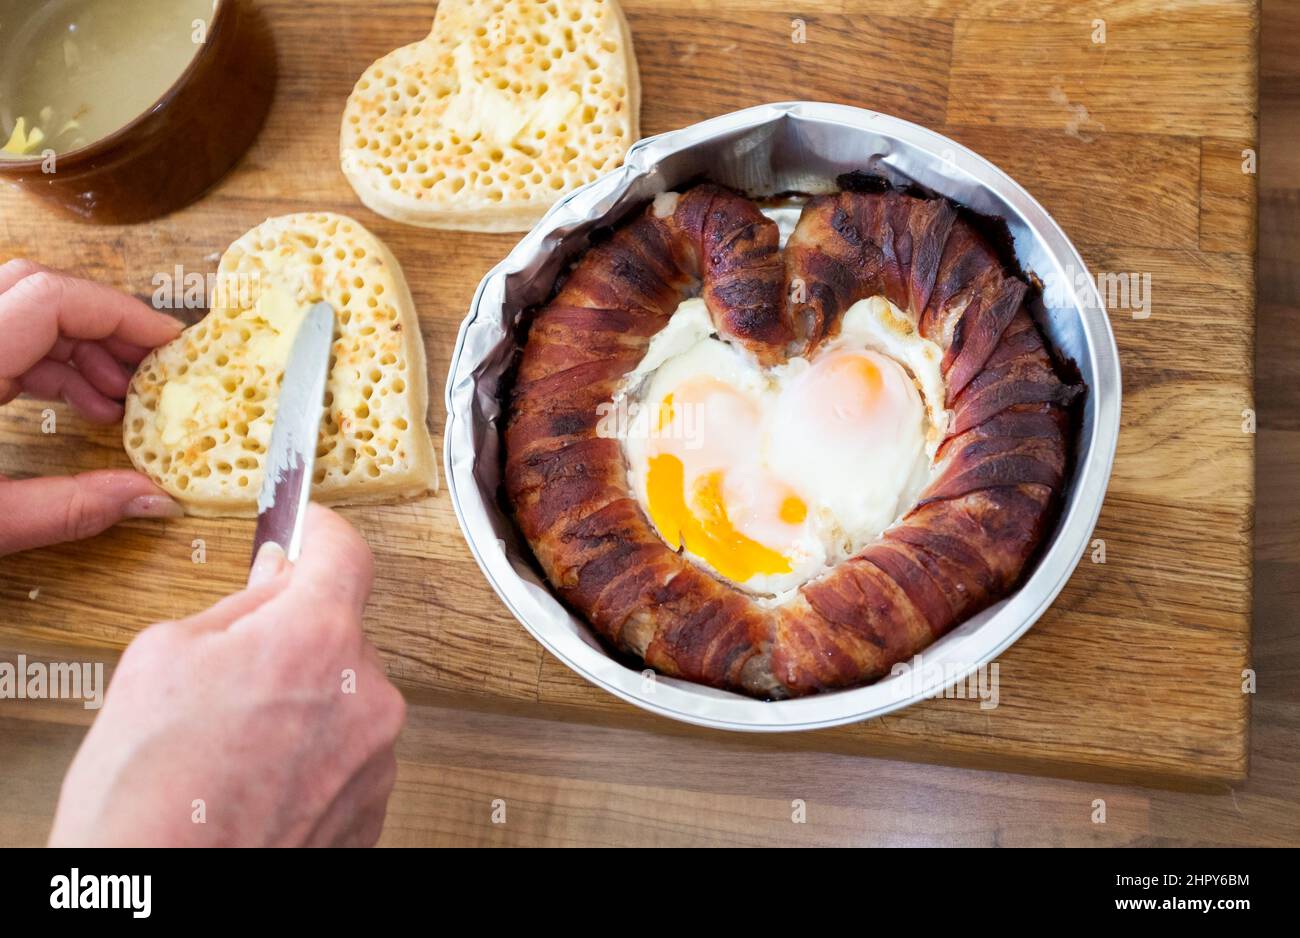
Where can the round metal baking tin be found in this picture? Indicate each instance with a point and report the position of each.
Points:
(790, 147)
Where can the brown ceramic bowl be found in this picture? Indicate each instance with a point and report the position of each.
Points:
(182, 145)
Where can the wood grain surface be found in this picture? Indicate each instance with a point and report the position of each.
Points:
(1134, 144)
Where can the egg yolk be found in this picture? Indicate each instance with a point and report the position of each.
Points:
(853, 384)
(793, 510)
(703, 527)
(666, 413)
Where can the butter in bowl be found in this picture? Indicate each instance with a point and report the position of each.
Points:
(118, 111)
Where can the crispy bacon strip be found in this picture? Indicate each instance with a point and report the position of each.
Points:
(962, 547)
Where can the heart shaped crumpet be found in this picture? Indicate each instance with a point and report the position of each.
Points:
(502, 109)
(199, 410)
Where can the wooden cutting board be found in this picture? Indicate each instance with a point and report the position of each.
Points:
(1130, 123)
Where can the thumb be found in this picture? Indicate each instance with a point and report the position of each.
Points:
(38, 512)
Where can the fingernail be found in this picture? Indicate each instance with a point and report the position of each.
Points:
(153, 506)
(268, 563)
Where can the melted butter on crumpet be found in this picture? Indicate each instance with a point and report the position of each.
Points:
(200, 410)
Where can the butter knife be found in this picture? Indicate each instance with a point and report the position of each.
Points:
(286, 486)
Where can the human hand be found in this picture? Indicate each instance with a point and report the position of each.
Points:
(76, 341)
(244, 708)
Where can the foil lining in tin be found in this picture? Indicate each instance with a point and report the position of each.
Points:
(766, 151)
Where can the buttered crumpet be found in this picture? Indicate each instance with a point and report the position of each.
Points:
(199, 410)
(503, 108)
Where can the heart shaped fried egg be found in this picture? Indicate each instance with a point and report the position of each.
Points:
(769, 477)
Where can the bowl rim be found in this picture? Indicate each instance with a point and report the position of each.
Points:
(1012, 616)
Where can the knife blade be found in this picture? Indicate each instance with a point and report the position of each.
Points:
(286, 485)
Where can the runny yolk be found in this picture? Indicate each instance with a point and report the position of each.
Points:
(706, 531)
(862, 371)
(793, 510)
(666, 413)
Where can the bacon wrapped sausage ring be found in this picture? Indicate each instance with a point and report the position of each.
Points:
(961, 547)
